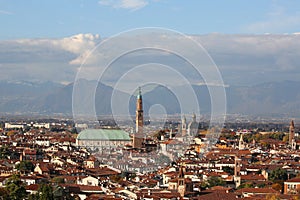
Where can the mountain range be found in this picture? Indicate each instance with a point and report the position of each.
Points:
(271, 99)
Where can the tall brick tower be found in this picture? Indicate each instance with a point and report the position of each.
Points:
(139, 122)
(291, 132)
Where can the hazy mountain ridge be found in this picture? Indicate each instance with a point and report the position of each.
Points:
(49, 98)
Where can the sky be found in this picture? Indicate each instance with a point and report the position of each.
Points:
(61, 18)
(249, 41)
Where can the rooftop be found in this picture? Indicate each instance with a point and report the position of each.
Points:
(103, 134)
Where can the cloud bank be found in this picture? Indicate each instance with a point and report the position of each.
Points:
(242, 59)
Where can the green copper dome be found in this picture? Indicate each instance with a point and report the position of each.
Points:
(103, 134)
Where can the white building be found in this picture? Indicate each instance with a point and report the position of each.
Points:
(14, 126)
(89, 180)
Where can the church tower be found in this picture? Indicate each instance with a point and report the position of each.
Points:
(139, 122)
(237, 171)
(241, 142)
(291, 132)
(181, 187)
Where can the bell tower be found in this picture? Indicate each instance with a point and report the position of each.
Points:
(139, 113)
(291, 132)
(139, 122)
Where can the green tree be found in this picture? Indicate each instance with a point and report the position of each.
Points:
(215, 181)
(25, 166)
(60, 193)
(229, 170)
(58, 180)
(45, 192)
(278, 174)
(4, 152)
(15, 188)
(277, 136)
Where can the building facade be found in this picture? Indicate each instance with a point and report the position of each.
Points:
(292, 186)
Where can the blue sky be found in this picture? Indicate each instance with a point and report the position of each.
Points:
(61, 18)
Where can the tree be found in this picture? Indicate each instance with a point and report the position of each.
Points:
(15, 188)
(215, 181)
(278, 136)
(246, 185)
(277, 187)
(10, 133)
(25, 166)
(4, 194)
(272, 197)
(4, 152)
(285, 138)
(58, 180)
(278, 174)
(60, 193)
(228, 170)
(45, 192)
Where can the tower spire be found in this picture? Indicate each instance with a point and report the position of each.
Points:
(139, 96)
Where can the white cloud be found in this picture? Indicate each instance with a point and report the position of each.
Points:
(45, 59)
(125, 4)
(79, 45)
(240, 58)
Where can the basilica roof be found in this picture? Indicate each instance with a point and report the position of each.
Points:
(103, 134)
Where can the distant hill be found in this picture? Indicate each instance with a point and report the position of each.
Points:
(273, 98)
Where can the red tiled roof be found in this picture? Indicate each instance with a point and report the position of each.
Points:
(257, 190)
(32, 187)
(29, 152)
(293, 180)
(84, 188)
(216, 195)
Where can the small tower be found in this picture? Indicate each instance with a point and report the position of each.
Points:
(237, 171)
(183, 126)
(291, 132)
(193, 126)
(139, 122)
(171, 134)
(181, 182)
(241, 142)
(194, 117)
